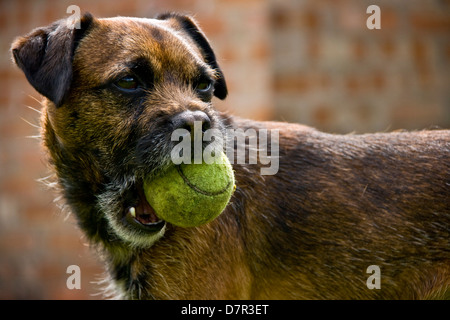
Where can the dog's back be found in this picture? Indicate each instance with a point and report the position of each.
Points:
(338, 205)
(341, 203)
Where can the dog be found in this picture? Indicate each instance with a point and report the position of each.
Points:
(344, 217)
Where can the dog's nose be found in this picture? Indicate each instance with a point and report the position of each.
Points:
(186, 120)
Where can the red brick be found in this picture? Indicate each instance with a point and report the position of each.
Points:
(263, 113)
(431, 22)
(212, 25)
(3, 18)
(420, 53)
(124, 8)
(228, 54)
(422, 115)
(378, 81)
(292, 83)
(280, 18)
(311, 20)
(23, 12)
(363, 113)
(419, 50)
(52, 13)
(322, 115)
(325, 81)
(388, 47)
(313, 48)
(16, 241)
(15, 184)
(389, 18)
(40, 212)
(353, 83)
(359, 49)
(241, 3)
(72, 239)
(260, 51)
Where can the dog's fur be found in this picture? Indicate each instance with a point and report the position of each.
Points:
(338, 204)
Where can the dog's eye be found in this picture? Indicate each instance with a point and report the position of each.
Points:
(128, 83)
(203, 86)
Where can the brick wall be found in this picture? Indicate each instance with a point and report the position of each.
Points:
(332, 72)
(313, 62)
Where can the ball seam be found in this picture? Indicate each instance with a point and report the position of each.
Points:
(197, 189)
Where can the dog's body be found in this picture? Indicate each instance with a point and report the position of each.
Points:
(337, 205)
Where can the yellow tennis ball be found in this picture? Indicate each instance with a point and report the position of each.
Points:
(190, 195)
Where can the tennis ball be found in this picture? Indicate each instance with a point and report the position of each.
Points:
(189, 195)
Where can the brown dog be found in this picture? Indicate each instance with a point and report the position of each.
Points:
(344, 216)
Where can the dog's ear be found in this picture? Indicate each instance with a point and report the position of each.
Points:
(45, 56)
(191, 28)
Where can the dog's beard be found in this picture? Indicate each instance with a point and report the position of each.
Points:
(124, 192)
(124, 204)
(115, 204)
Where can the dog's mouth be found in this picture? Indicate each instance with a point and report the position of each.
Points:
(141, 214)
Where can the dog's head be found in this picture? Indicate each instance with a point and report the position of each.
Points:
(115, 90)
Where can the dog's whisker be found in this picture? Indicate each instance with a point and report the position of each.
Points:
(67, 216)
(40, 101)
(31, 124)
(38, 137)
(34, 109)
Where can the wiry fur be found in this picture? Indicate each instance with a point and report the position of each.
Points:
(338, 204)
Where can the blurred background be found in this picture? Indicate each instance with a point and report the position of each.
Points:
(309, 61)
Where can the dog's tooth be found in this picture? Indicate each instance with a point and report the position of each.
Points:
(132, 211)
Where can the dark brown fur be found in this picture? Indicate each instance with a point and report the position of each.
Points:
(338, 204)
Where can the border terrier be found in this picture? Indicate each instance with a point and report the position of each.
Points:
(116, 88)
